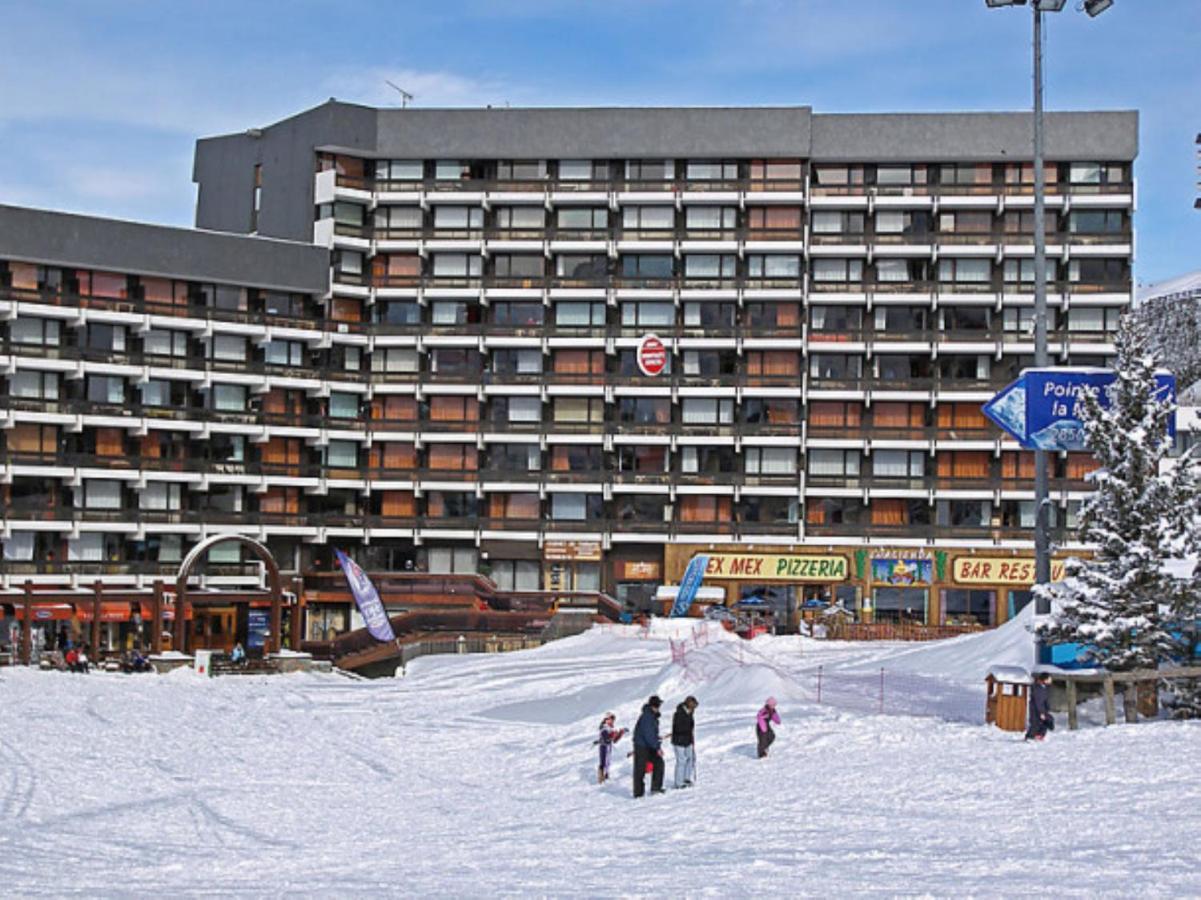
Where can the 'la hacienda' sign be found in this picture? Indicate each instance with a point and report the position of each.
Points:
(775, 567)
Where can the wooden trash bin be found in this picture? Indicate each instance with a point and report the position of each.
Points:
(1008, 697)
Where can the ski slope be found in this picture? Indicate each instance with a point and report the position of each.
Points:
(475, 775)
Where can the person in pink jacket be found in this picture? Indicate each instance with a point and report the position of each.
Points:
(763, 723)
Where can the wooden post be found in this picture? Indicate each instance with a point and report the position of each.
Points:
(1073, 723)
(1110, 715)
(27, 626)
(298, 611)
(156, 614)
(96, 594)
(1129, 703)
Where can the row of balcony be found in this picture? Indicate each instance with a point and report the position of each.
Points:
(737, 235)
(685, 185)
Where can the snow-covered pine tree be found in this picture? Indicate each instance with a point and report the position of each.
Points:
(1113, 602)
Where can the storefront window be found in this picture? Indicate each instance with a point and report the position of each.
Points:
(905, 605)
(965, 607)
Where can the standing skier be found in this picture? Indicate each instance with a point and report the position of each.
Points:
(610, 734)
(1041, 720)
(683, 743)
(647, 749)
(763, 722)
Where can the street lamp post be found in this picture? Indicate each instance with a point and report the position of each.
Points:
(1042, 538)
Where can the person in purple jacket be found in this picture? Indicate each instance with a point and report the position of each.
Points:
(763, 722)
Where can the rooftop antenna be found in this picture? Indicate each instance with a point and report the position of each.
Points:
(405, 97)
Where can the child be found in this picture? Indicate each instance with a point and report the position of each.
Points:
(763, 722)
(610, 734)
(1041, 720)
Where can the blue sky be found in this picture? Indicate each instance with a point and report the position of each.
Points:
(100, 103)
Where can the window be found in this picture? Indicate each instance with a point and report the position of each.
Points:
(773, 265)
(770, 460)
(710, 265)
(1022, 270)
(966, 318)
(898, 463)
(967, 607)
(644, 410)
(1095, 319)
(576, 458)
(514, 458)
(580, 315)
(773, 315)
(284, 353)
(836, 365)
(349, 214)
(707, 460)
(398, 312)
(579, 410)
(106, 389)
(772, 363)
(44, 332)
(453, 457)
(965, 222)
(834, 463)
(648, 315)
(448, 560)
(835, 270)
(584, 218)
(583, 170)
(525, 410)
(962, 270)
(711, 363)
(458, 217)
(646, 459)
(514, 506)
(344, 405)
(650, 170)
(454, 312)
(569, 506)
(776, 170)
(1097, 270)
(915, 225)
(159, 495)
(517, 314)
(451, 170)
(165, 343)
(961, 367)
(710, 314)
(713, 218)
(711, 170)
(586, 266)
(782, 219)
(399, 218)
(229, 348)
(767, 411)
(833, 222)
(647, 266)
(705, 411)
(706, 508)
(33, 385)
(896, 176)
(395, 359)
(969, 513)
(156, 393)
(399, 169)
(453, 408)
(525, 265)
(99, 494)
(1084, 173)
(508, 361)
(521, 170)
(769, 509)
(229, 397)
(106, 338)
(457, 265)
(452, 504)
(1096, 221)
(965, 174)
(890, 270)
(648, 218)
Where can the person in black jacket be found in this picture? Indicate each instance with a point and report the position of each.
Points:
(647, 749)
(683, 744)
(1041, 720)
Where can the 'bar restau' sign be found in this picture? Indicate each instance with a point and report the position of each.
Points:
(775, 567)
(999, 570)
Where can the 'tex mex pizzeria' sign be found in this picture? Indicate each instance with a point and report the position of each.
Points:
(775, 567)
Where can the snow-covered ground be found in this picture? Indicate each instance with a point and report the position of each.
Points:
(475, 775)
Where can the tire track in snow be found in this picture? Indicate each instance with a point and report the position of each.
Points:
(21, 780)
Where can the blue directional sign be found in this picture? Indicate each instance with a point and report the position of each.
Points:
(1043, 408)
(690, 584)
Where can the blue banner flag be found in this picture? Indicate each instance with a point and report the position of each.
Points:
(690, 584)
(367, 599)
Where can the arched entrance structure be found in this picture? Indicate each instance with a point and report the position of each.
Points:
(180, 634)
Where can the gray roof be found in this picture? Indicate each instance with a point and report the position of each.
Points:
(66, 239)
(702, 132)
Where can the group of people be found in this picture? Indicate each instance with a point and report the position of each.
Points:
(648, 744)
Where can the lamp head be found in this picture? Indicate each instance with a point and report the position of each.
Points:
(1095, 7)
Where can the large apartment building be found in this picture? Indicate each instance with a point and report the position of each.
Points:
(836, 296)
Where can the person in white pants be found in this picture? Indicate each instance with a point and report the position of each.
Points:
(683, 742)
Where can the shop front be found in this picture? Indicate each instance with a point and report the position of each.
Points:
(779, 587)
(990, 589)
(900, 586)
(635, 574)
(571, 565)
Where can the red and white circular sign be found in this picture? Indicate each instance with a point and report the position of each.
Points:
(652, 355)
